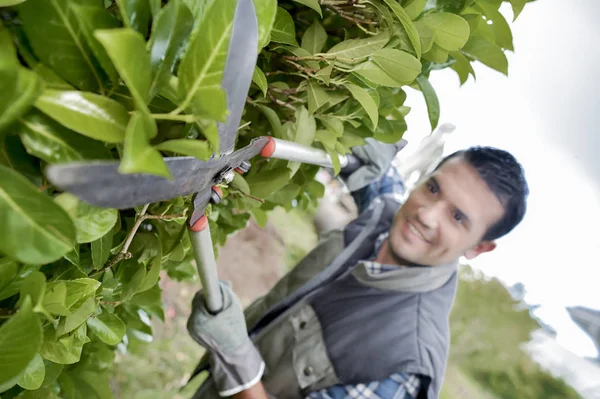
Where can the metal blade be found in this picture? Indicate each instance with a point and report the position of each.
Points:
(239, 67)
(101, 184)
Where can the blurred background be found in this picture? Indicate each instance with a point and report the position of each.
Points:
(526, 322)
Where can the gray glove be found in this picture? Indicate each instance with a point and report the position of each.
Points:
(376, 157)
(236, 363)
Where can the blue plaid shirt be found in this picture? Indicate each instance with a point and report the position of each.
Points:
(398, 385)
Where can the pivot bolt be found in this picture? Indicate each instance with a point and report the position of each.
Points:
(243, 168)
(216, 195)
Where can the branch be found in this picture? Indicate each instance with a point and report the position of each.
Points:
(282, 103)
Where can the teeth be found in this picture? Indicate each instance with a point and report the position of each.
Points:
(414, 230)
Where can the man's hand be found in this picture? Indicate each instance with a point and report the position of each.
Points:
(375, 157)
(236, 364)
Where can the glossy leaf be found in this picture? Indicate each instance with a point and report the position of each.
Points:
(8, 271)
(433, 104)
(20, 340)
(153, 272)
(436, 54)
(390, 131)
(55, 298)
(7, 48)
(266, 10)
(317, 96)
(259, 78)
(502, 33)
(101, 250)
(64, 350)
(263, 184)
(486, 53)
(34, 287)
(355, 50)
(407, 24)
(426, 34)
(517, 6)
(91, 18)
(194, 148)
(202, 67)
(52, 142)
(93, 223)
(171, 27)
(362, 96)
(34, 374)
(314, 4)
(51, 79)
(137, 13)
(90, 114)
(314, 38)
(334, 126)
(108, 327)
(48, 22)
(374, 74)
(399, 65)
(79, 290)
(20, 88)
(451, 31)
(33, 228)
(284, 30)
(414, 7)
(8, 3)
(77, 317)
(127, 50)
(462, 66)
(138, 155)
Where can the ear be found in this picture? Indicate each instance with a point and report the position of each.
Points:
(482, 247)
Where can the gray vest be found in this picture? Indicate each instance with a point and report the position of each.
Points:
(326, 320)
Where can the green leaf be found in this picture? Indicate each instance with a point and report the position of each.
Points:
(91, 18)
(314, 38)
(265, 183)
(79, 290)
(50, 78)
(48, 22)
(451, 31)
(486, 53)
(317, 96)
(261, 217)
(326, 137)
(34, 229)
(399, 65)
(69, 203)
(426, 34)
(90, 114)
(284, 30)
(407, 24)
(34, 374)
(65, 350)
(8, 271)
(132, 276)
(433, 105)
(92, 222)
(53, 370)
(436, 54)
(414, 7)
(20, 88)
(259, 78)
(362, 96)
(194, 148)
(55, 298)
(390, 131)
(101, 250)
(238, 182)
(202, 67)
(462, 66)
(127, 50)
(153, 272)
(502, 33)
(34, 287)
(355, 50)
(137, 13)
(77, 317)
(52, 142)
(138, 155)
(171, 27)
(266, 10)
(333, 124)
(335, 160)
(314, 4)
(20, 340)
(325, 74)
(7, 48)
(8, 3)
(376, 75)
(108, 327)
(517, 6)
(273, 119)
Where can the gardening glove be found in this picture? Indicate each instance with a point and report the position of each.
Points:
(376, 157)
(235, 362)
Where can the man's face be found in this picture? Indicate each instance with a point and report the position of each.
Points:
(445, 217)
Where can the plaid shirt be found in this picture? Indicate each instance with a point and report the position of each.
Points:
(398, 385)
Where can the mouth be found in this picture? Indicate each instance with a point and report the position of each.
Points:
(414, 231)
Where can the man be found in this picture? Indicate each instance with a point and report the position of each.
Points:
(365, 314)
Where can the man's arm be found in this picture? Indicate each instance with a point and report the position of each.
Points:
(257, 391)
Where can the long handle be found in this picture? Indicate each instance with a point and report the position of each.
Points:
(207, 266)
(290, 151)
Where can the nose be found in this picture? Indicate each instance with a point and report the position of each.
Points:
(429, 215)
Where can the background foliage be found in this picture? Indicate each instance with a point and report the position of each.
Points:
(137, 80)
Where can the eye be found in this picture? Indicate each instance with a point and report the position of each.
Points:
(458, 217)
(432, 188)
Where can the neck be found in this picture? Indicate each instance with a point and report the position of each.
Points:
(388, 257)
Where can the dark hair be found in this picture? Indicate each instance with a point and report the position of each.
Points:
(505, 178)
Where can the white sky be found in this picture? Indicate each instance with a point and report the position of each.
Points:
(546, 114)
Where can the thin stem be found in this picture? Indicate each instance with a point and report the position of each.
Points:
(244, 125)
(170, 117)
(282, 103)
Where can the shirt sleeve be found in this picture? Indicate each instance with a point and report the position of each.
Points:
(397, 386)
(390, 183)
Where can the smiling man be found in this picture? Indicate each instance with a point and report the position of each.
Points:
(365, 314)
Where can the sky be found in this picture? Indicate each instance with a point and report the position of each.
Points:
(546, 114)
